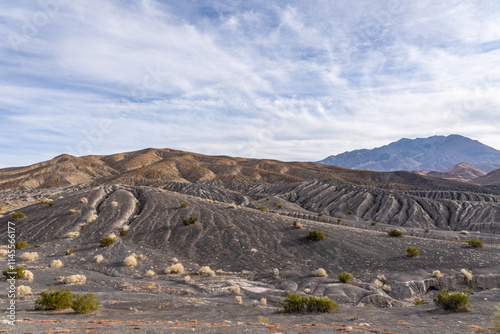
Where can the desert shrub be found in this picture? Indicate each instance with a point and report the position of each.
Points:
(17, 272)
(56, 264)
(74, 279)
(263, 301)
(123, 233)
(345, 277)
(3, 251)
(23, 290)
(427, 230)
(105, 242)
(36, 246)
(419, 301)
(315, 235)
(467, 274)
(321, 214)
(320, 273)
(130, 261)
(69, 251)
(295, 303)
(54, 300)
(114, 204)
(190, 221)
(339, 220)
(457, 301)
(261, 320)
(112, 236)
(92, 218)
(349, 212)
(21, 244)
(29, 256)
(84, 200)
(475, 243)
(261, 208)
(184, 205)
(72, 235)
(17, 215)
(378, 283)
(387, 288)
(297, 224)
(28, 276)
(85, 304)
(496, 319)
(149, 273)
(395, 233)
(238, 300)
(464, 232)
(176, 268)
(51, 204)
(374, 223)
(166, 188)
(98, 258)
(235, 289)
(437, 274)
(125, 227)
(206, 271)
(280, 206)
(71, 212)
(412, 252)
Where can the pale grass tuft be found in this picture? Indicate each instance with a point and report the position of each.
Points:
(74, 279)
(437, 274)
(112, 236)
(92, 218)
(28, 257)
(467, 274)
(378, 283)
(114, 203)
(261, 320)
(206, 271)
(235, 289)
(28, 276)
(3, 252)
(98, 258)
(263, 301)
(45, 200)
(56, 264)
(387, 288)
(307, 290)
(72, 211)
(72, 235)
(149, 273)
(23, 290)
(130, 261)
(320, 273)
(84, 200)
(125, 228)
(175, 260)
(464, 232)
(176, 268)
(238, 300)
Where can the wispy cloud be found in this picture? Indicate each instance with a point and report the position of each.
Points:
(287, 80)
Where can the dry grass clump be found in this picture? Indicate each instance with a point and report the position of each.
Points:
(378, 283)
(175, 260)
(92, 218)
(320, 273)
(387, 288)
(71, 212)
(29, 256)
(98, 258)
(125, 228)
(263, 301)
(74, 279)
(71, 235)
(23, 290)
(130, 261)
(113, 204)
(464, 232)
(206, 271)
(149, 273)
(176, 268)
(437, 274)
(297, 225)
(235, 289)
(238, 300)
(467, 274)
(112, 236)
(28, 276)
(56, 264)
(84, 200)
(45, 200)
(3, 251)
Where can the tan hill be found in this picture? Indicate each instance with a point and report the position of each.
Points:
(492, 178)
(462, 172)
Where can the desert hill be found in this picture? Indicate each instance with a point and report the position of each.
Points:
(492, 178)
(462, 172)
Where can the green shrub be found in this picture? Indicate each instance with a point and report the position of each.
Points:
(295, 303)
(419, 301)
(345, 277)
(262, 208)
(315, 235)
(374, 223)
(21, 244)
(280, 206)
(339, 220)
(297, 224)
(51, 204)
(54, 300)
(321, 214)
(17, 215)
(85, 304)
(166, 188)
(190, 221)
(123, 233)
(71, 212)
(475, 243)
(412, 252)
(427, 230)
(69, 251)
(349, 212)
(18, 272)
(395, 233)
(105, 242)
(457, 301)
(184, 205)
(267, 199)
(36, 246)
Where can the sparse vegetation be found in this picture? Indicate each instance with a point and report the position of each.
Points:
(184, 205)
(475, 243)
(280, 206)
(29, 256)
(295, 303)
(28, 276)
(123, 233)
(74, 279)
(84, 200)
(349, 212)
(130, 261)
(23, 290)
(263, 301)
(71, 212)
(166, 188)
(105, 242)
(92, 218)
(467, 274)
(149, 273)
(339, 220)
(72, 235)
(176, 268)
(427, 230)
(320, 214)
(69, 251)
(374, 223)
(261, 320)
(206, 271)
(419, 301)
(437, 274)
(464, 232)
(36, 246)
(238, 300)
(235, 289)
(21, 244)
(297, 225)
(320, 273)
(54, 300)
(395, 233)
(412, 252)
(345, 277)
(17, 215)
(56, 264)
(51, 204)
(85, 304)
(262, 208)
(457, 301)
(17, 272)
(98, 258)
(315, 235)
(114, 204)
(190, 221)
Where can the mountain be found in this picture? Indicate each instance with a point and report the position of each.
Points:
(436, 153)
(462, 172)
(492, 178)
(154, 167)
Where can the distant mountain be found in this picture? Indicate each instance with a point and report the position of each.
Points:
(436, 153)
(492, 178)
(462, 172)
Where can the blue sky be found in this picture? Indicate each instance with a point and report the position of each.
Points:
(290, 80)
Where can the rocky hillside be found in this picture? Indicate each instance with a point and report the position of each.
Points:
(462, 172)
(492, 178)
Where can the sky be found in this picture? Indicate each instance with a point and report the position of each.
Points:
(288, 80)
